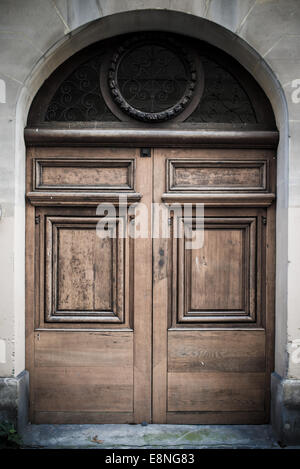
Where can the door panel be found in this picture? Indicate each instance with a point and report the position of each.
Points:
(225, 175)
(217, 280)
(232, 351)
(215, 392)
(80, 287)
(66, 389)
(80, 174)
(83, 372)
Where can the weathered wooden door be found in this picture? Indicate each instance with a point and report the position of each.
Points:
(213, 300)
(89, 298)
(146, 328)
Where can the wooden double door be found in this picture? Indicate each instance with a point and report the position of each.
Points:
(126, 321)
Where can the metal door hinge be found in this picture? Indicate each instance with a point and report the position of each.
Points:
(264, 220)
(146, 152)
(37, 219)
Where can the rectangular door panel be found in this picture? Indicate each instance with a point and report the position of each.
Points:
(85, 270)
(213, 371)
(71, 349)
(86, 390)
(83, 377)
(221, 170)
(225, 175)
(216, 392)
(233, 351)
(61, 174)
(217, 281)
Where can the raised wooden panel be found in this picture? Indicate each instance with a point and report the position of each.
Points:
(85, 273)
(217, 281)
(213, 286)
(84, 174)
(216, 392)
(226, 351)
(226, 175)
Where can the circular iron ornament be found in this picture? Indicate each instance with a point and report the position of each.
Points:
(153, 78)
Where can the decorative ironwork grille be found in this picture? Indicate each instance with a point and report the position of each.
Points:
(79, 97)
(223, 99)
(151, 80)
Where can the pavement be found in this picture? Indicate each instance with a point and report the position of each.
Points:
(151, 436)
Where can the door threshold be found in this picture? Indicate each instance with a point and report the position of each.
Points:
(154, 436)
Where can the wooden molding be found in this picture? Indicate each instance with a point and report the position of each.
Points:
(224, 200)
(154, 137)
(80, 198)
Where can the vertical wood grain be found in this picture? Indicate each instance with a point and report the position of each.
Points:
(143, 301)
(161, 279)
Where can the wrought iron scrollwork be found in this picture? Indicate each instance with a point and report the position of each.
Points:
(79, 97)
(152, 79)
(223, 100)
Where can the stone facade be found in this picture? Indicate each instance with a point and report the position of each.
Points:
(264, 35)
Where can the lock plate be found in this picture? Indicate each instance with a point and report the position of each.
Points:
(146, 152)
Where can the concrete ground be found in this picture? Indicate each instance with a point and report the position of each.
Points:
(150, 436)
